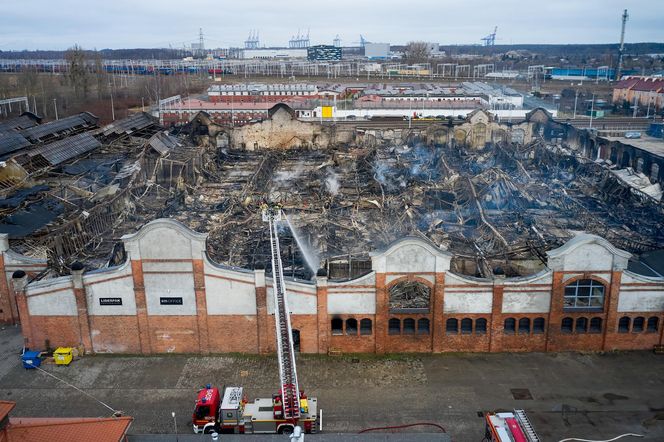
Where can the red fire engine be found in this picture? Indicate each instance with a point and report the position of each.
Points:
(511, 426)
(232, 413)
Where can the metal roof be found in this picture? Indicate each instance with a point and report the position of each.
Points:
(11, 142)
(162, 142)
(18, 123)
(63, 150)
(64, 125)
(128, 125)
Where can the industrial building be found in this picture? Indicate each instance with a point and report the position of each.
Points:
(324, 53)
(273, 93)
(461, 235)
(377, 51)
(269, 53)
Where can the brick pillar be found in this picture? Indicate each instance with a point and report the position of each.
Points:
(323, 320)
(201, 307)
(382, 312)
(19, 281)
(82, 308)
(556, 314)
(496, 328)
(7, 305)
(141, 307)
(262, 317)
(437, 326)
(611, 307)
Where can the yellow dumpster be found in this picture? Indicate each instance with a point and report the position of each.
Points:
(63, 355)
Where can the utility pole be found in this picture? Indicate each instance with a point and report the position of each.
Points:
(576, 97)
(112, 106)
(592, 111)
(55, 106)
(622, 45)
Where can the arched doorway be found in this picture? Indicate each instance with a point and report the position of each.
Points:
(296, 340)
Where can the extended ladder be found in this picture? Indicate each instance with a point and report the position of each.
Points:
(289, 387)
(527, 427)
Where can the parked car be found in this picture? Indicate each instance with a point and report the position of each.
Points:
(632, 134)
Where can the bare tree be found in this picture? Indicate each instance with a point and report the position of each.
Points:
(416, 52)
(78, 73)
(101, 78)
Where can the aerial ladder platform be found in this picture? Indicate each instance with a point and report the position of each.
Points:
(290, 391)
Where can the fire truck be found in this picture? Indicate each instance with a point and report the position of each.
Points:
(229, 411)
(511, 426)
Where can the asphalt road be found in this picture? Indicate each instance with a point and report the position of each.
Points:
(591, 396)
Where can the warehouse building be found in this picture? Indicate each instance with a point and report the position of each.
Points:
(168, 296)
(256, 92)
(324, 53)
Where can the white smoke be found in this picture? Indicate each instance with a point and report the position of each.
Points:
(332, 182)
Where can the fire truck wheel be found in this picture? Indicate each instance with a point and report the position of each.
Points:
(208, 430)
(286, 429)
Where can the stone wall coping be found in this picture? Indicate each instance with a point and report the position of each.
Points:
(59, 282)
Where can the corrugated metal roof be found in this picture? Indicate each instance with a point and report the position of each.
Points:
(84, 119)
(63, 150)
(128, 125)
(18, 123)
(11, 142)
(162, 142)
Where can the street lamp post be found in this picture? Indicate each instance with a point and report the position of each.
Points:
(175, 425)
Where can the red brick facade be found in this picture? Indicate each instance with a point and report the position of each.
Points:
(463, 314)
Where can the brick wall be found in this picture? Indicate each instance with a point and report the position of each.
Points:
(477, 308)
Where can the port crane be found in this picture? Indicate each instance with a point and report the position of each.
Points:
(490, 39)
(229, 411)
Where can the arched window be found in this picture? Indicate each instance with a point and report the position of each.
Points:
(596, 325)
(581, 325)
(409, 295)
(584, 294)
(524, 325)
(423, 326)
(509, 326)
(566, 325)
(408, 326)
(480, 326)
(394, 326)
(337, 326)
(653, 324)
(351, 326)
(466, 326)
(637, 325)
(538, 325)
(365, 326)
(452, 326)
(623, 324)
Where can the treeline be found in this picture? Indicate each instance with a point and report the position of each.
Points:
(106, 54)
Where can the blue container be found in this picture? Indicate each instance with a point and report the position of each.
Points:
(31, 359)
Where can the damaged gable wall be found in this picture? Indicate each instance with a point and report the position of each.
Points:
(281, 131)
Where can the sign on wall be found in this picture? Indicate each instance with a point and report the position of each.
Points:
(110, 301)
(170, 301)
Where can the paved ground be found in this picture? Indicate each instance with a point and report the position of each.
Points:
(590, 396)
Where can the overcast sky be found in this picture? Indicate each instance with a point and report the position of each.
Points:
(58, 24)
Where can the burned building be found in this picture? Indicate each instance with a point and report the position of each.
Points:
(461, 235)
